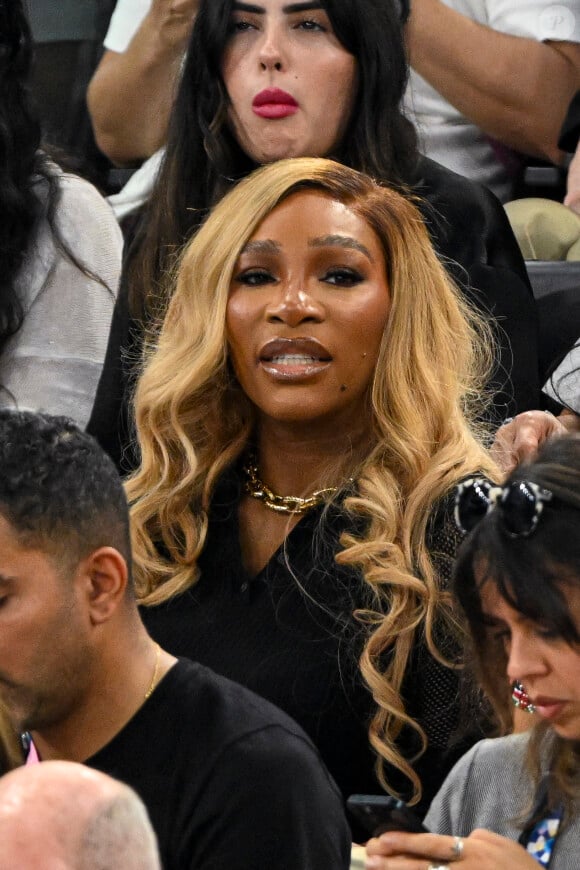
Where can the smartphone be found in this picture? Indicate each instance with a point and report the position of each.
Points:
(378, 813)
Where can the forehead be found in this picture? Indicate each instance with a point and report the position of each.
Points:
(308, 215)
(284, 6)
(19, 558)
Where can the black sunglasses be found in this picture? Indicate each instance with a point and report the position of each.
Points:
(520, 504)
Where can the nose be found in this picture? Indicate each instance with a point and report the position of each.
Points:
(525, 658)
(270, 54)
(294, 307)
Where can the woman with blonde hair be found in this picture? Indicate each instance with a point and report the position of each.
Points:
(302, 416)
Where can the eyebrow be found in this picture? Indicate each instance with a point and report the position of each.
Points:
(289, 9)
(336, 241)
(269, 246)
(265, 246)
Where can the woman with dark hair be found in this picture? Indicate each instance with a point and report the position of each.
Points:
(515, 799)
(60, 251)
(291, 54)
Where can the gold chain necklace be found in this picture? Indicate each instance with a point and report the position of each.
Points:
(283, 504)
(149, 691)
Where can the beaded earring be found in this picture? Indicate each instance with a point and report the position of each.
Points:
(520, 698)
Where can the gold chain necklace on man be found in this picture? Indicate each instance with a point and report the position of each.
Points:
(149, 691)
(283, 504)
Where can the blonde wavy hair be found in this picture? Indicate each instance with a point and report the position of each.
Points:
(193, 421)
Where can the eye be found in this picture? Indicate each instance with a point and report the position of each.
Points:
(547, 632)
(255, 277)
(240, 25)
(342, 276)
(310, 24)
(502, 636)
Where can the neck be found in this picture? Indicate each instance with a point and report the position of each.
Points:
(125, 671)
(295, 461)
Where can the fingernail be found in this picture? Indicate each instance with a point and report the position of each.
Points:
(373, 862)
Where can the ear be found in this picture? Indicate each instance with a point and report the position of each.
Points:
(105, 577)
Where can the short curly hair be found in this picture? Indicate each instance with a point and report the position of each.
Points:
(58, 489)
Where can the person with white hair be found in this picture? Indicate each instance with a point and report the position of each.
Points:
(64, 815)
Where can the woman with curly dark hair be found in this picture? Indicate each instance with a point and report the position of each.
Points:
(60, 250)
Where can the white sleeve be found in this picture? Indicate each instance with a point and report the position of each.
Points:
(125, 23)
(53, 363)
(564, 384)
(536, 19)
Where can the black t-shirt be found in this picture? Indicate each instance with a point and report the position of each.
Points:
(230, 782)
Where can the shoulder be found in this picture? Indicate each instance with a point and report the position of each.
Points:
(535, 19)
(259, 780)
(488, 787)
(81, 201)
(468, 226)
(445, 189)
(225, 709)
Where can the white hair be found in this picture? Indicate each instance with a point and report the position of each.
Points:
(119, 834)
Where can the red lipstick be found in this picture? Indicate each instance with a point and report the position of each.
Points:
(273, 103)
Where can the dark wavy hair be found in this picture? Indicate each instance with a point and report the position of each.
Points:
(531, 574)
(21, 162)
(203, 159)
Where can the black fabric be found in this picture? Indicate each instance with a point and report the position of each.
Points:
(471, 232)
(228, 780)
(571, 127)
(290, 635)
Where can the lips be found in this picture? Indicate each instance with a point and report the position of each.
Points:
(273, 103)
(549, 708)
(294, 358)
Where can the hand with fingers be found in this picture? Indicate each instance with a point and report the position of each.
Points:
(482, 850)
(519, 438)
(174, 20)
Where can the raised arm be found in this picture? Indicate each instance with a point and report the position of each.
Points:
(514, 88)
(131, 92)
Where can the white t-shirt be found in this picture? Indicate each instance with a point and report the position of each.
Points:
(444, 133)
(125, 22)
(564, 385)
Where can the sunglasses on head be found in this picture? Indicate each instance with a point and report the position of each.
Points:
(520, 505)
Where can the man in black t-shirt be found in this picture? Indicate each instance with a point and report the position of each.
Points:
(228, 779)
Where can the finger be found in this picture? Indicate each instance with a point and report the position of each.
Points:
(438, 848)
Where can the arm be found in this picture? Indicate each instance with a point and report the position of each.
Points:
(482, 850)
(54, 361)
(516, 89)
(131, 93)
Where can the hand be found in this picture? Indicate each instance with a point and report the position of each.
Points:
(482, 850)
(173, 21)
(521, 437)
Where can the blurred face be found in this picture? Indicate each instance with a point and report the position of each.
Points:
(290, 82)
(308, 305)
(547, 666)
(44, 652)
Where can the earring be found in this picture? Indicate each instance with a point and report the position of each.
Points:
(520, 698)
